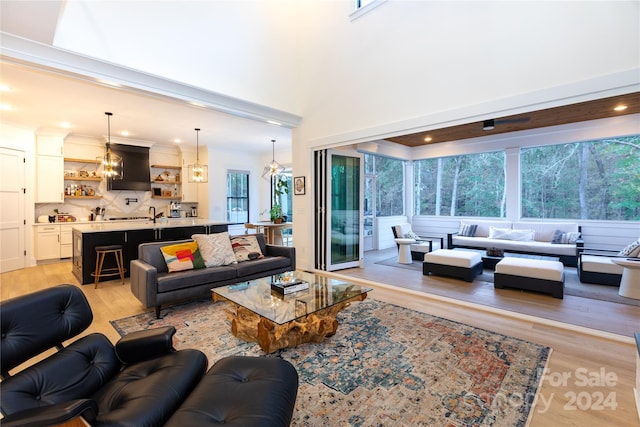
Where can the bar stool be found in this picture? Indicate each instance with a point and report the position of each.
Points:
(101, 251)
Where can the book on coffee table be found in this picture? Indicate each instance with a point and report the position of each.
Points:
(289, 287)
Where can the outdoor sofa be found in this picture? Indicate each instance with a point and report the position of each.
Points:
(554, 239)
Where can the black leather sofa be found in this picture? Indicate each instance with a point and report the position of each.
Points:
(141, 381)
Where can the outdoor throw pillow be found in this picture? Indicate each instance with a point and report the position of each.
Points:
(498, 233)
(183, 256)
(560, 237)
(511, 234)
(246, 248)
(632, 250)
(467, 230)
(215, 249)
(411, 235)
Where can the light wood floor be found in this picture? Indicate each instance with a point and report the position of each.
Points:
(577, 353)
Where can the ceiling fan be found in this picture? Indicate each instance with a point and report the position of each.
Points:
(491, 123)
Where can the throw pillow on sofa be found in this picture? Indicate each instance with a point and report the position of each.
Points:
(632, 250)
(560, 237)
(215, 249)
(246, 248)
(411, 235)
(511, 234)
(183, 256)
(467, 230)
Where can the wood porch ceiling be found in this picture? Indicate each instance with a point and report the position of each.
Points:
(583, 111)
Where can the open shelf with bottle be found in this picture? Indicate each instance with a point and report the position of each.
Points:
(81, 170)
(166, 176)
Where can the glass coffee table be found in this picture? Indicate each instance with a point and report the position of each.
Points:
(275, 320)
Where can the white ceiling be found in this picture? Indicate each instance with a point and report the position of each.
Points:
(42, 100)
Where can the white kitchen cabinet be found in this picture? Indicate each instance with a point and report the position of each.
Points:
(49, 169)
(66, 248)
(50, 145)
(48, 242)
(53, 241)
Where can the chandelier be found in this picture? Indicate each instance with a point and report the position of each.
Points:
(274, 168)
(111, 162)
(198, 172)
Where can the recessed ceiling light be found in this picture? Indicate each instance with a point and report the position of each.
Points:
(620, 107)
(428, 139)
(6, 107)
(65, 125)
(124, 133)
(177, 140)
(4, 88)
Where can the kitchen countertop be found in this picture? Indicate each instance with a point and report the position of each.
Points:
(85, 222)
(103, 226)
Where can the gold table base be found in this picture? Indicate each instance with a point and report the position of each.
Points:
(271, 336)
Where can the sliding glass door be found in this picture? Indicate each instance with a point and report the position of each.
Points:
(344, 175)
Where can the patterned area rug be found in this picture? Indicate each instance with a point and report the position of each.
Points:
(386, 365)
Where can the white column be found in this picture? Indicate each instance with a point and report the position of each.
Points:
(513, 184)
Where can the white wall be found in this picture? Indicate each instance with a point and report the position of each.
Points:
(409, 66)
(245, 49)
(437, 60)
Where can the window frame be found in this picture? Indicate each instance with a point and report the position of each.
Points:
(234, 197)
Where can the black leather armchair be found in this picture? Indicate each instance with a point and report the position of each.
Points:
(140, 381)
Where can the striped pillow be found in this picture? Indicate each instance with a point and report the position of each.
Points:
(632, 250)
(468, 230)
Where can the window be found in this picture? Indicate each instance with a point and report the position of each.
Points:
(597, 180)
(281, 190)
(238, 197)
(386, 192)
(468, 185)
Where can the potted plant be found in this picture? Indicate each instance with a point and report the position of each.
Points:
(280, 187)
(275, 213)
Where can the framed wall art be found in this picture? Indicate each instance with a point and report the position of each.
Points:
(298, 185)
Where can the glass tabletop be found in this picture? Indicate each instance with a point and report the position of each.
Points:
(258, 297)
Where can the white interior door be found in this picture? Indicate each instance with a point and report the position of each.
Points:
(12, 220)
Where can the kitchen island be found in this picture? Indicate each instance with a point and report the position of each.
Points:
(129, 234)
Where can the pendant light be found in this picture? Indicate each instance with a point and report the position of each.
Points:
(274, 168)
(111, 162)
(197, 171)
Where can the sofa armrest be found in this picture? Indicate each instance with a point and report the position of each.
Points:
(144, 282)
(450, 239)
(53, 414)
(285, 251)
(600, 252)
(432, 238)
(145, 344)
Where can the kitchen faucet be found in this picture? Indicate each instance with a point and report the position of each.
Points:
(154, 213)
